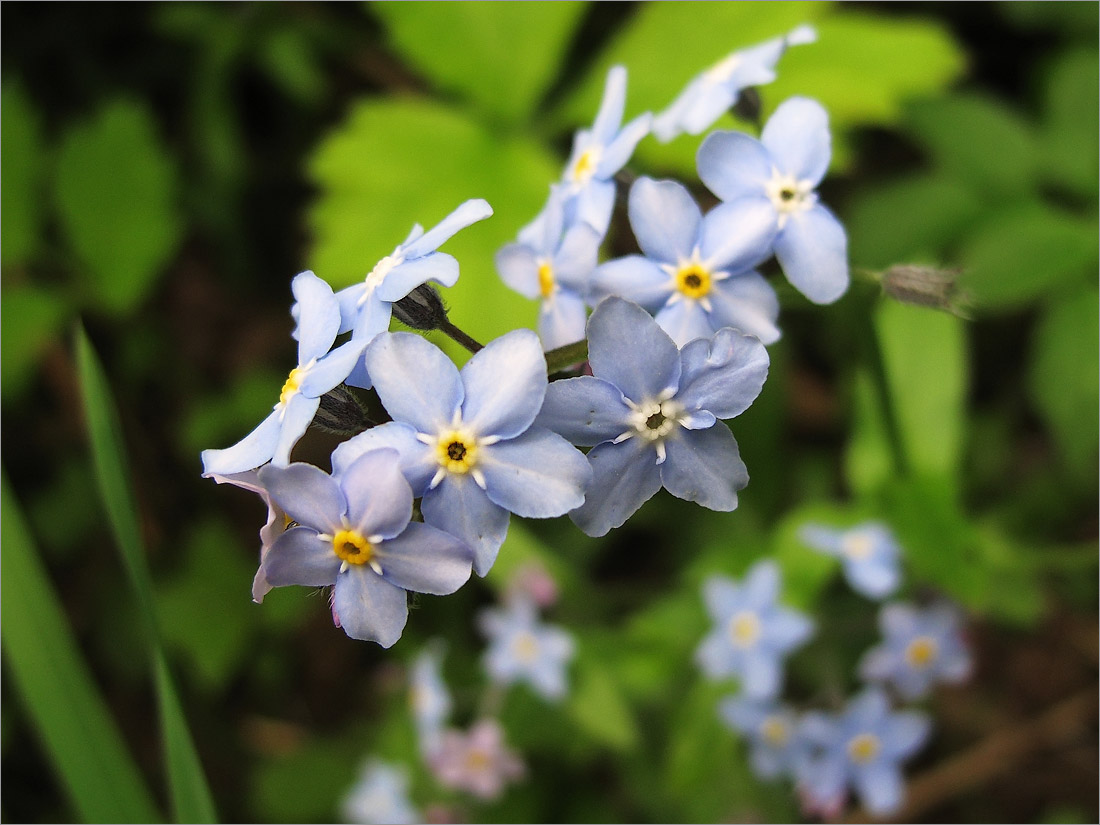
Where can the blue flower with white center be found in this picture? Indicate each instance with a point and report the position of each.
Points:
(600, 152)
(466, 441)
(868, 552)
(708, 96)
(696, 273)
(429, 698)
(920, 648)
(650, 412)
(752, 633)
(318, 313)
(861, 748)
(380, 796)
(523, 649)
(773, 730)
(553, 264)
(776, 176)
(355, 532)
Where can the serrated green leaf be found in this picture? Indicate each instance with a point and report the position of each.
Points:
(22, 184)
(116, 202)
(1070, 131)
(31, 319)
(499, 56)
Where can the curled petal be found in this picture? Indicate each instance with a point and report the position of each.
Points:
(297, 415)
(404, 278)
(459, 507)
(705, 466)
(370, 608)
(468, 213)
(250, 452)
(379, 498)
(299, 556)
(627, 348)
(333, 369)
(585, 410)
(318, 316)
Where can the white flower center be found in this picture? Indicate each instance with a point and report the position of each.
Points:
(584, 167)
(654, 421)
(857, 546)
(723, 70)
(789, 195)
(377, 275)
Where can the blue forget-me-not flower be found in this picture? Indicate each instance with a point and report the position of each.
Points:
(696, 272)
(523, 649)
(752, 634)
(868, 552)
(862, 748)
(777, 176)
(778, 749)
(651, 414)
(709, 95)
(919, 649)
(466, 441)
(355, 532)
(429, 699)
(317, 311)
(380, 796)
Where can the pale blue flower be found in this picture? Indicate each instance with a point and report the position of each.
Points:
(429, 699)
(920, 648)
(709, 95)
(776, 176)
(778, 749)
(695, 272)
(651, 413)
(868, 552)
(752, 634)
(477, 761)
(553, 265)
(466, 441)
(524, 649)
(862, 748)
(380, 796)
(355, 532)
(318, 314)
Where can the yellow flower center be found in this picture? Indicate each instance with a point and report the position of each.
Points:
(693, 281)
(526, 647)
(352, 547)
(585, 167)
(863, 748)
(546, 278)
(457, 452)
(775, 732)
(744, 629)
(921, 651)
(478, 760)
(293, 382)
(857, 547)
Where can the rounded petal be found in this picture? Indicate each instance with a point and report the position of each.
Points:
(300, 556)
(619, 150)
(260, 586)
(459, 507)
(379, 498)
(812, 249)
(370, 608)
(821, 538)
(708, 103)
(348, 299)
(787, 629)
(685, 321)
(417, 461)
(723, 597)
(624, 477)
(715, 657)
(905, 733)
(741, 714)
(518, 267)
(747, 303)
(867, 709)
(766, 762)
(627, 348)
(874, 578)
(307, 494)
(425, 560)
(738, 235)
(797, 136)
(612, 104)
(318, 316)
(593, 205)
(405, 277)
(469, 212)
(665, 219)
(537, 475)
(722, 375)
(297, 415)
(877, 664)
(370, 318)
(250, 452)
(705, 466)
(585, 410)
(576, 257)
(672, 121)
(333, 369)
(562, 320)
(761, 675)
(733, 165)
(761, 586)
(417, 383)
(504, 383)
(880, 788)
(635, 278)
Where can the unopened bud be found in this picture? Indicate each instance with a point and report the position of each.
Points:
(421, 309)
(342, 413)
(925, 286)
(748, 106)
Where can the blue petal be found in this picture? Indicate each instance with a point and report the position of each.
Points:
(715, 657)
(594, 204)
(899, 621)
(576, 258)
(425, 560)
(702, 103)
(470, 212)
(378, 496)
(307, 494)
(904, 733)
(704, 466)
(762, 675)
(417, 461)
(585, 410)
(610, 114)
(298, 556)
(369, 607)
(297, 415)
(537, 475)
(880, 788)
(518, 267)
(821, 538)
(877, 664)
(733, 165)
(624, 477)
(873, 578)
(404, 278)
(787, 629)
(461, 508)
(723, 597)
(664, 218)
(318, 316)
(627, 348)
(635, 278)
(619, 150)
(504, 383)
(552, 222)
(685, 321)
(867, 709)
(738, 235)
(722, 375)
(797, 136)
(332, 370)
(761, 585)
(416, 382)
(369, 318)
(742, 714)
(812, 249)
(562, 320)
(250, 452)
(766, 762)
(746, 302)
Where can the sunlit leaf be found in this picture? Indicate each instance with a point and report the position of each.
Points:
(1070, 131)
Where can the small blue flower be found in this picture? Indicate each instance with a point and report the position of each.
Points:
(651, 413)
(523, 649)
(862, 748)
(466, 441)
(380, 797)
(696, 273)
(752, 634)
(777, 176)
(553, 264)
(921, 648)
(869, 554)
(429, 698)
(773, 729)
(318, 313)
(355, 532)
(709, 95)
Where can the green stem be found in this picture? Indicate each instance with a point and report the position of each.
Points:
(565, 357)
(883, 395)
(453, 332)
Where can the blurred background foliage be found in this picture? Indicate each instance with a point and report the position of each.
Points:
(167, 168)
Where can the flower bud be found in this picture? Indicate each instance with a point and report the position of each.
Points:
(421, 309)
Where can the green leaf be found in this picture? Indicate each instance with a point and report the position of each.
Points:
(191, 800)
(44, 662)
(31, 318)
(500, 56)
(598, 706)
(1024, 252)
(1070, 130)
(399, 162)
(868, 461)
(115, 199)
(21, 186)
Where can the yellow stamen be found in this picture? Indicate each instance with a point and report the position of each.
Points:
(857, 547)
(693, 281)
(863, 748)
(352, 547)
(457, 452)
(526, 647)
(585, 166)
(292, 384)
(744, 629)
(921, 651)
(546, 278)
(775, 732)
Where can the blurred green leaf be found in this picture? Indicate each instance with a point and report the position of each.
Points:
(63, 515)
(102, 781)
(286, 56)
(1068, 19)
(21, 186)
(115, 196)
(217, 419)
(868, 461)
(806, 572)
(1071, 127)
(31, 319)
(501, 56)
(598, 706)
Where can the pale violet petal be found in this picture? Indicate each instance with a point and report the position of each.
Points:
(425, 560)
(348, 299)
(619, 150)
(562, 320)
(576, 257)
(307, 494)
(585, 410)
(518, 267)
(665, 219)
(722, 597)
(373, 317)
(867, 709)
(738, 234)
(905, 732)
(761, 585)
(318, 316)
(504, 383)
(250, 452)
(723, 374)
(417, 460)
(634, 278)
(297, 415)
(787, 629)
(880, 788)
(594, 204)
(468, 213)
(762, 675)
(627, 348)
(459, 507)
(797, 137)
(379, 498)
(715, 657)
(332, 370)
(416, 382)
(873, 578)
(625, 476)
(536, 475)
(733, 165)
(299, 556)
(710, 103)
(812, 249)
(612, 104)
(704, 466)
(405, 277)
(748, 303)
(669, 123)
(685, 321)
(369, 607)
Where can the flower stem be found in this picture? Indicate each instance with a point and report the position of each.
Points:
(563, 357)
(883, 395)
(453, 332)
